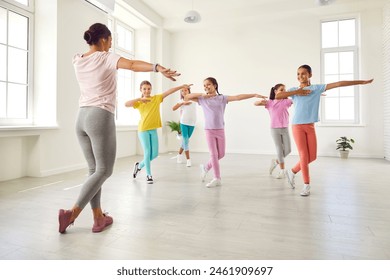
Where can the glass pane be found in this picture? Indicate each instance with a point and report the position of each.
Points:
(331, 63)
(124, 38)
(23, 2)
(347, 91)
(124, 91)
(3, 101)
(17, 66)
(3, 63)
(3, 25)
(18, 31)
(333, 92)
(17, 101)
(331, 108)
(331, 79)
(347, 33)
(329, 34)
(347, 108)
(346, 63)
(346, 77)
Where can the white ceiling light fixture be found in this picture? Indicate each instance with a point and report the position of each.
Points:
(192, 16)
(324, 2)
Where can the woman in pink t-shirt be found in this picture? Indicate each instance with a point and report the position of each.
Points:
(213, 104)
(96, 72)
(278, 112)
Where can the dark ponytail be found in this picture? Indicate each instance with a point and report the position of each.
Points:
(272, 92)
(96, 32)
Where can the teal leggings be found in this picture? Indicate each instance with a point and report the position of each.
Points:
(149, 142)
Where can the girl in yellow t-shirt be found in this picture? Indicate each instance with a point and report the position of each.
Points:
(149, 108)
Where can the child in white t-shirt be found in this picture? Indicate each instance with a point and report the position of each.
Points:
(187, 124)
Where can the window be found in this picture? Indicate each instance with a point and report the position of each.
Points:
(15, 63)
(339, 62)
(123, 44)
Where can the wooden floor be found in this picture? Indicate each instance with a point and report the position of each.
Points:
(251, 216)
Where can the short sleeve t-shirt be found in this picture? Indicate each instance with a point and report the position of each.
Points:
(150, 113)
(214, 110)
(96, 75)
(278, 112)
(188, 114)
(307, 107)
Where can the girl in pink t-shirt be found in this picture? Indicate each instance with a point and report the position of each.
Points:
(213, 104)
(278, 111)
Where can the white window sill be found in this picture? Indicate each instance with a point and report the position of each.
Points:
(340, 125)
(24, 130)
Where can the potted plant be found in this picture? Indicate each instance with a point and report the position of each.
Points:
(344, 145)
(175, 126)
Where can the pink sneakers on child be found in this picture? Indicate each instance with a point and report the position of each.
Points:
(101, 223)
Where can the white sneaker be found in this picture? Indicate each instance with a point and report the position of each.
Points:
(272, 166)
(291, 178)
(188, 163)
(281, 174)
(306, 190)
(179, 158)
(203, 172)
(214, 183)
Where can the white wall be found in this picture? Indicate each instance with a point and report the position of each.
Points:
(244, 58)
(253, 57)
(386, 70)
(44, 150)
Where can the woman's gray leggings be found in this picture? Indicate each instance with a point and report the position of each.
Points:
(95, 129)
(282, 142)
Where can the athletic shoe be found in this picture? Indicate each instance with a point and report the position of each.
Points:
(272, 166)
(203, 172)
(64, 219)
(188, 163)
(306, 190)
(136, 169)
(281, 175)
(179, 158)
(290, 178)
(149, 179)
(101, 223)
(214, 183)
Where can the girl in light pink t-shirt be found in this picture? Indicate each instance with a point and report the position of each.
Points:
(278, 111)
(213, 104)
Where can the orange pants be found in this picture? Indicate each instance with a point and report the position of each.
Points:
(306, 141)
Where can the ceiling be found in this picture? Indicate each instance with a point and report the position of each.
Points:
(226, 12)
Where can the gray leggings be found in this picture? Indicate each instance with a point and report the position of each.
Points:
(282, 142)
(95, 129)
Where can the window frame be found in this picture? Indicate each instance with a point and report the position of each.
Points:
(26, 11)
(356, 121)
(113, 24)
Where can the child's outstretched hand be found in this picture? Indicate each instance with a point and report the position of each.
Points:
(261, 96)
(303, 92)
(367, 81)
(145, 99)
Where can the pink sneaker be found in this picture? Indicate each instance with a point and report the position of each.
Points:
(64, 219)
(101, 223)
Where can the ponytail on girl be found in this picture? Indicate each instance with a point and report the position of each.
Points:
(273, 89)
